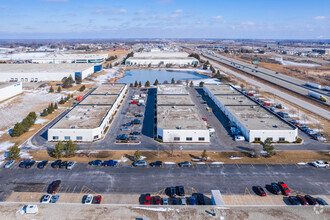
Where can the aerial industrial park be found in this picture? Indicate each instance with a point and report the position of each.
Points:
(168, 127)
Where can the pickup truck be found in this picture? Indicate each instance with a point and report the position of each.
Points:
(320, 164)
(284, 188)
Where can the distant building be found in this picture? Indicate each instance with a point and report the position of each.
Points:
(155, 58)
(45, 72)
(8, 90)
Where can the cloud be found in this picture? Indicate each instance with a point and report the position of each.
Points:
(248, 23)
(178, 11)
(320, 17)
(110, 12)
(140, 12)
(219, 17)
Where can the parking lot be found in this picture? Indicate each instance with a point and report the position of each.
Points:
(125, 183)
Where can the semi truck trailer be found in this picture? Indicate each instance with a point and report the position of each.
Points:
(314, 85)
(317, 96)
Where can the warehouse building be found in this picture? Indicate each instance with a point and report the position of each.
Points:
(45, 72)
(178, 119)
(8, 90)
(254, 122)
(161, 58)
(46, 57)
(88, 121)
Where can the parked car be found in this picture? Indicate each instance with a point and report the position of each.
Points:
(140, 104)
(311, 200)
(56, 163)
(156, 200)
(180, 190)
(135, 133)
(174, 201)
(147, 198)
(320, 164)
(54, 186)
(283, 115)
(260, 191)
(133, 138)
(294, 201)
(54, 199)
(171, 191)
(127, 124)
(318, 137)
(275, 188)
(294, 122)
(27, 163)
(165, 201)
(42, 164)
(9, 164)
(183, 200)
(156, 164)
(212, 130)
(140, 163)
(134, 102)
(46, 198)
(239, 138)
(302, 200)
(139, 115)
(125, 129)
(70, 165)
(63, 164)
(95, 163)
(122, 137)
(110, 163)
(205, 119)
(192, 200)
(321, 201)
(284, 188)
(136, 121)
(310, 131)
(88, 199)
(185, 164)
(97, 199)
(200, 198)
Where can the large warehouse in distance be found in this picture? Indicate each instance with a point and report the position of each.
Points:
(178, 119)
(88, 120)
(255, 122)
(45, 72)
(8, 90)
(161, 58)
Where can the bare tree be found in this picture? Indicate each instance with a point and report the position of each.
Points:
(292, 112)
(305, 118)
(319, 127)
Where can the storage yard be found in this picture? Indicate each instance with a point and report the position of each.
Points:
(178, 119)
(45, 72)
(89, 119)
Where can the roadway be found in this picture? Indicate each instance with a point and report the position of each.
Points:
(304, 104)
(228, 178)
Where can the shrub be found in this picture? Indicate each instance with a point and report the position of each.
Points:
(137, 155)
(14, 153)
(58, 150)
(298, 141)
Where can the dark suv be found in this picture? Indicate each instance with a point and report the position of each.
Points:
(156, 164)
(56, 163)
(180, 190)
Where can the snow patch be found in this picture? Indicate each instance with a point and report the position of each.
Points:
(156, 209)
(206, 81)
(302, 163)
(169, 163)
(122, 159)
(41, 121)
(109, 74)
(25, 155)
(290, 63)
(217, 163)
(235, 158)
(4, 146)
(142, 157)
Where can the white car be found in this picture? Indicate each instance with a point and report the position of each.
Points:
(212, 130)
(31, 209)
(71, 165)
(183, 201)
(165, 201)
(320, 164)
(239, 138)
(46, 198)
(89, 199)
(9, 163)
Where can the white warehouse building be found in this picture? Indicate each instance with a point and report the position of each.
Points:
(178, 119)
(8, 90)
(254, 122)
(161, 58)
(88, 121)
(45, 72)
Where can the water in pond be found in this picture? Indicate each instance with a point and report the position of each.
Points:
(161, 75)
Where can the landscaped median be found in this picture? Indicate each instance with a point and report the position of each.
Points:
(281, 157)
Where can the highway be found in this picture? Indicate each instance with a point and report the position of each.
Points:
(304, 104)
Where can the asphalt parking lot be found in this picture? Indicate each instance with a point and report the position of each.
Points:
(230, 179)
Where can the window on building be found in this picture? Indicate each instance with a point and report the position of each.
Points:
(96, 137)
(176, 138)
(55, 137)
(79, 138)
(201, 139)
(281, 139)
(66, 137)
(188, 138)
(269, 138)
(257, 139)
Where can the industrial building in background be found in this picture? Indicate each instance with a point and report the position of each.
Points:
(8, 90)
(88, 121)
(46, 72)
(178, 119)
(253, 121)
(157, 58)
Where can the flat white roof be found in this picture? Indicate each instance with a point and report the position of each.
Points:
(171, 89)
(6, 84)
(44, 67)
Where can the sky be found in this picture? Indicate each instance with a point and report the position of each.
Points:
(103, 19)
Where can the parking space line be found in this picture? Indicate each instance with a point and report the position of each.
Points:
(43, 188)
(297, 166)
(267, 166)
(238, 166)
(252, 166)
(270, 200)
(283, 166)
(223, 166)
(248, 191)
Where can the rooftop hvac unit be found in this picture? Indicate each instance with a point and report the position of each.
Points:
(73, 126)
(178, 127)
(94, 106)
(263, 121)
(275, 126)
(81, 117)
(173, 106)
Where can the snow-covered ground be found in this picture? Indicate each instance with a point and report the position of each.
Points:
(109, 74)
(160, 209)
(41, 121)
(4, 146)
(290, 63)
(206, 81)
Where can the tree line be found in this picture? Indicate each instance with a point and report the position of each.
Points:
(24, 126)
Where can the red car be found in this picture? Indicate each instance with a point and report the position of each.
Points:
(156, 200)
(134, 102)
(266, 103)
(249, 94)
(302, 200)
(284, 188)
(260, 191)
(54, 186)
(205, 119)
(147, 199)
(97, 199)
